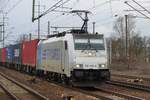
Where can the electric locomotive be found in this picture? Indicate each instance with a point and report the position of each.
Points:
(80, 59)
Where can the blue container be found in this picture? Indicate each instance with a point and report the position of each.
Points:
(9, 54)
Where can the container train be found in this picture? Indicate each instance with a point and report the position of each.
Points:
(68, 57)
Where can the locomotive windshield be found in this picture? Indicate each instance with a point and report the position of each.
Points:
(89, 42)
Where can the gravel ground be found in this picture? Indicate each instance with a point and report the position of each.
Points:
(139, 93)
(134, 81)
(138, 68)
(4, 96)
(11, 86)
(52, 91)
(18, 91)
(127, 91)
(131, 73)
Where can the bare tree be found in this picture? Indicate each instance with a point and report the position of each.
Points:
(137, 46)
(120, 30)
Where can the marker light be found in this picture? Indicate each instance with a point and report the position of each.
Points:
(78, 66)
(90, 54)
(102, 66)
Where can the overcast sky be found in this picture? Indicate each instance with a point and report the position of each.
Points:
(103, 12)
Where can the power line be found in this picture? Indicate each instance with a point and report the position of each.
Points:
(98, 5)
(136, 10)
(14, 6)
(5, 5)
(54, 7)
(138, 17)
(61, 15)
(141, 6)
(102, 4)
(110, 5)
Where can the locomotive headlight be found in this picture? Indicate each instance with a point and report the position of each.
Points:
(90, 54)
(79, 65)
(102, 65)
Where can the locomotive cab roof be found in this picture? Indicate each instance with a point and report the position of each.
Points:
(75, 32)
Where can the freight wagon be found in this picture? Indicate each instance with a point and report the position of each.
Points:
(29, 56)
(17, 56)
(9, 56)
(21, 57)
(3, 56)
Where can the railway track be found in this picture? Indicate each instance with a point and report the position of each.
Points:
(17, 90)
(128, 91)
(91, 92)
(10, 94)
(121, 95)
(97, 93)
(101, 93)
(132, 77)
(4, 95)
(130, 85)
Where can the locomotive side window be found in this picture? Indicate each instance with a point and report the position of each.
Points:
(66, 45)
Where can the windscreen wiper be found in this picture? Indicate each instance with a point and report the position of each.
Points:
(86, 47)
(94, 49)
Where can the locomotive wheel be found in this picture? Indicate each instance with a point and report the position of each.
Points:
(71, 83)
(63, 79)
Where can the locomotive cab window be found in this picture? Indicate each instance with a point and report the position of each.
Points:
(91, 42)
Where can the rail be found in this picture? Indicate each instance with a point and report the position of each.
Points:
(130, 85)
(8, 92)
(128, 97)
(30, 90)
(133, 77)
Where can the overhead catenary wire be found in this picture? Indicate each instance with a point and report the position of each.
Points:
(141, 6)
(101, 4)
(14, 6)
(60, 15)
(138, 17)
(54, 7)
(5, 5)
(136, 10)
(94, 7)
(110, 5)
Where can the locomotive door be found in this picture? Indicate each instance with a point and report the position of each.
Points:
(64, 56)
